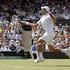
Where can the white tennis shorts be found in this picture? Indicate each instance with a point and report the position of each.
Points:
(48, 38)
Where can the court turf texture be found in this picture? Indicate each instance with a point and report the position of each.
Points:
(28, 64)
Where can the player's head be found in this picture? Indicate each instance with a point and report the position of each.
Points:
(45, 10)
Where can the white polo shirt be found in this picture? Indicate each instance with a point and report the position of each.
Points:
(46, 23)
(48, 26)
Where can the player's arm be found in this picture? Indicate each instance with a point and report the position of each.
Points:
(30, 24)
(53, 17)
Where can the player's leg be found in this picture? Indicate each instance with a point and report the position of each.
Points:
(52, 49)
(66, 50)
(40, 46)
(49, 40)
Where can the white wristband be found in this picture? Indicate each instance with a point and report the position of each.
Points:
(27, 23)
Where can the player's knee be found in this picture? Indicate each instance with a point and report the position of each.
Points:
(39, 44)
(40, 47)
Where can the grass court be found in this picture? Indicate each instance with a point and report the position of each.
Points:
(28, 64)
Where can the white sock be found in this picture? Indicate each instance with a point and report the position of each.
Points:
(37, 55)
(41, 55)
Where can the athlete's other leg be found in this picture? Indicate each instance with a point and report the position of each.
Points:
(52, 49)
(40, 44)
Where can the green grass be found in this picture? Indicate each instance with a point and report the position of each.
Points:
(28, 64)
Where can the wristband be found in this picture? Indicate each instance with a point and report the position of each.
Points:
(27, 23)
